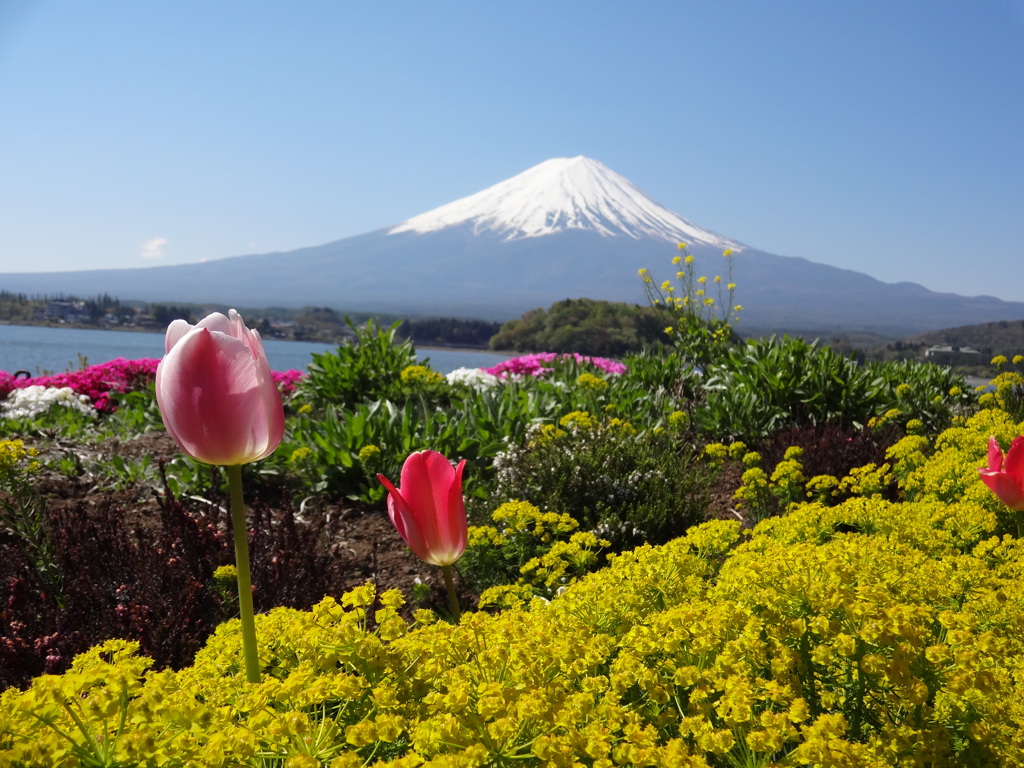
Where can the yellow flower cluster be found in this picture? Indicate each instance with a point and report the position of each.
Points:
(788, 478)
(563, 554)
(301, 456)
(869, 480)
(13, 455)
(225, 574)
(579, 421)
(948, 470)
(1006, 385)
(590, 381)
(735, 450)
(370, 456)
(678, 419)
(421, 376)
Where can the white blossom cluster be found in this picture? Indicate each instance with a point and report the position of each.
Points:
(475, 378)
(29, 402)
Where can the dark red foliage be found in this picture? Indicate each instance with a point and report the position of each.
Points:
(141, 567)
(830, 449)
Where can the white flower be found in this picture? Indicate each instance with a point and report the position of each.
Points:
(474, 378)
(29, 402)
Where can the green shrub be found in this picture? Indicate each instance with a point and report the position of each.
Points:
(769, 385)
(370, 368)
(586, 326)
(457, 421)
(772, 384)
(914, 391)
(23, 515)
(626, 485)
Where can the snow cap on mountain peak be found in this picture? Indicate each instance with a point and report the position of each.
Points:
(561, 194)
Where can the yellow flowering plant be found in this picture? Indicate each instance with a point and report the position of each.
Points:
(533, 551)
(870, 633)
(1007, 388)
(700, 325)
(23, 514)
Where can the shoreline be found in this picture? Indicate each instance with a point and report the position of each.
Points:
(64, 326)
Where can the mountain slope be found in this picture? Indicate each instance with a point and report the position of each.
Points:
(567, 228)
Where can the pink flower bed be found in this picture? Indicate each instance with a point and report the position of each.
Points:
(287, 380)
(538, 364)
(120, 375)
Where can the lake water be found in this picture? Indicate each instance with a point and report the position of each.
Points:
(55, 350)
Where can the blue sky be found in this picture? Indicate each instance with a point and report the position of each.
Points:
(886, 137)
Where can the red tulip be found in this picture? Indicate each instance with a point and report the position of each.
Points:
(428, 510)
(215, 391)
(1006, 478)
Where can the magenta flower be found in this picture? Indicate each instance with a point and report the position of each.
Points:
(538, 364)
(286, 381)
(97, 382)
(216, 392)
(428, 510)
(1006, 476)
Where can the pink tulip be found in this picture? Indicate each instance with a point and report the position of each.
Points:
(216, 392)
(428, 510)
(1006, 479)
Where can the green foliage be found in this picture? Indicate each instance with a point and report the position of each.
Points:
(322, 446)
(448, 331)
(56, 421)
(125, 473)
(930, 394)
(135, 412)
(626, 485)
(17, 307)
(473, 428)
(23, 514)
(770, 385)
(586, 326)
(368, 369)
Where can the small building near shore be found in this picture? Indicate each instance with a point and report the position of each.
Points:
(66, 311)
(950, 354)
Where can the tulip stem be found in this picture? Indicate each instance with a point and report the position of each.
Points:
(1020, 524)
(245, 610)
(453, 599)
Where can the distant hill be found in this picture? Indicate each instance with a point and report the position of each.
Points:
(586, 326)
(566, 228)
(1000, 338)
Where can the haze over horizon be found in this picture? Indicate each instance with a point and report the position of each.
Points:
(877, 137)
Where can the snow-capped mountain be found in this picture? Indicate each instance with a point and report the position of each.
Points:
(566, 228)
(565, 193)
